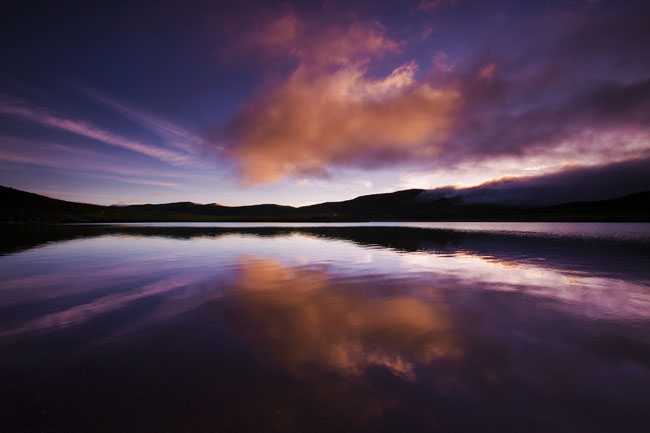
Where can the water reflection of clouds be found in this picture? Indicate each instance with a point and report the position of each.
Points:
(301, 319)
(83, 313)
(298, 315)
(302, 268)
(595, 296)
(406, 326)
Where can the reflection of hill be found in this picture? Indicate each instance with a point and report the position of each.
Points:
(625, 257)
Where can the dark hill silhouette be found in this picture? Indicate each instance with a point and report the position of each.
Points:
(407, 205)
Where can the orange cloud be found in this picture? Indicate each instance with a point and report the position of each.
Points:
(278, 33)
(333, 44)
(330, 111)
(488, 72)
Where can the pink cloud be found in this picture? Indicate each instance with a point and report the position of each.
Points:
(329, 110)
(41, 117)
(430, 5)
(319, 42)
(279, 32)
(488, 72)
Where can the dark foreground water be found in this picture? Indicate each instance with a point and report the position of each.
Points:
(204, 328)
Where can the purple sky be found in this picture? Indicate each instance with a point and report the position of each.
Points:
(304, 102)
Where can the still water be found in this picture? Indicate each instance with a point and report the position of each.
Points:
(325, 328)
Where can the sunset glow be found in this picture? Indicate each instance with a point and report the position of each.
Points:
(298, 103)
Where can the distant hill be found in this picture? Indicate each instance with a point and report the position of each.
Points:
(407, 205)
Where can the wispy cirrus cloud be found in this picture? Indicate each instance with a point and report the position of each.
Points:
(140, 181)
(38, 115)
(83, 162)
(174, 135)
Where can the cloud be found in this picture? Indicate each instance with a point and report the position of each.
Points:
(82, 162)
(578, 96)
(331, 111)
(15, 108)
(431, 5)
(140, 181)
(280, 32)
(428, 5)
(585, 79)
(175, 135)
(488, 72)
(320, 42)
(590, 148)
(427, 33)
(599, 182)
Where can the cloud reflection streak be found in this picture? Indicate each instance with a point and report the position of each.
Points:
(301, 318)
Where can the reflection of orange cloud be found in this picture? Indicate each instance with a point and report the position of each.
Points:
(301, 319)
(329, 111)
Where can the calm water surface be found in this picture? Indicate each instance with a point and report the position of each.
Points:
(325, 328)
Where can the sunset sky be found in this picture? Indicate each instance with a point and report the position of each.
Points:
(311, 101)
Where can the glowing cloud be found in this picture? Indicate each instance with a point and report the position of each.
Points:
(329, 111)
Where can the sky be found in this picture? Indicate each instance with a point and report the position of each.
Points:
(310, 101)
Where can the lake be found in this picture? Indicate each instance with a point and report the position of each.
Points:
(402, 327)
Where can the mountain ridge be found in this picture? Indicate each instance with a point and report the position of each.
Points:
(404, 205)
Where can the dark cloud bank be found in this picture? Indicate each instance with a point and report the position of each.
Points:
(578, 184)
